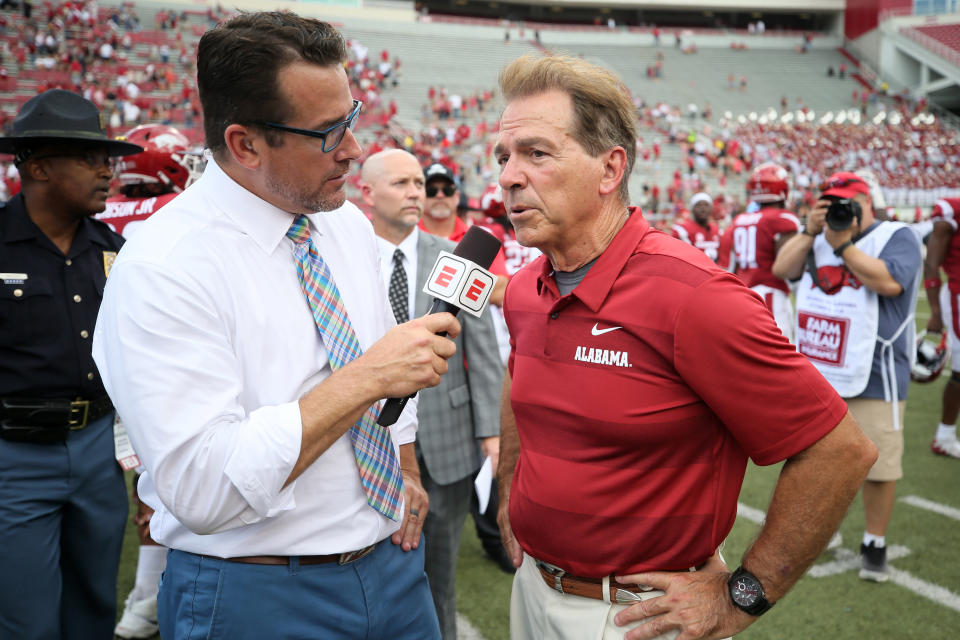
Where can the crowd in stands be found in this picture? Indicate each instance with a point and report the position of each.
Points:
(916, 159)
(136, 75)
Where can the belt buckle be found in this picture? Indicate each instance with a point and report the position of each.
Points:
(352, 556)
(554, 571)
(83, 407)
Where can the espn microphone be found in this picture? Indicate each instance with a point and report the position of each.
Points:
(458, 280)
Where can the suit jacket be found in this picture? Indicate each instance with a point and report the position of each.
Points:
(465, 406)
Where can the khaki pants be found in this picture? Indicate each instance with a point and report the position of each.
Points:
(875, 418)
(538, 612)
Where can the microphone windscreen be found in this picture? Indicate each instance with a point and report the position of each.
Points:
(478, 246)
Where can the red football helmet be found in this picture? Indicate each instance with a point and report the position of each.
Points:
(166, 159)
(768, 183)
(932, 356)
(491, 201)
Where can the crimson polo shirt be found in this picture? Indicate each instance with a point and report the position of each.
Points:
(638, 398)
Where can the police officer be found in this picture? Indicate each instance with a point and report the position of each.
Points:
(63, 504)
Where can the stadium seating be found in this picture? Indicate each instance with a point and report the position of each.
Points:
(724, 72)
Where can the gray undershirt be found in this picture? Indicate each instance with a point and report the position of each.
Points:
(567, 281)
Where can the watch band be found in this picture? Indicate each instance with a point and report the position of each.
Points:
(762, 605)
(839, 250)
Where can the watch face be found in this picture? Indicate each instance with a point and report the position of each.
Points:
(745, 591)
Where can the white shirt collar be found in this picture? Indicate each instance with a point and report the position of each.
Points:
(262, 221)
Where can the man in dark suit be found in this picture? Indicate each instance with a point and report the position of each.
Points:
(458, 420)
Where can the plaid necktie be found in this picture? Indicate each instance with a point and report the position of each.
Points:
(372, 445)
(398, 292)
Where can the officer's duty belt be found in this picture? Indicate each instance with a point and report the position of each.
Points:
(45, 420)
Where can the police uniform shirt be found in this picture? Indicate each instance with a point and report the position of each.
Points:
(48, 306)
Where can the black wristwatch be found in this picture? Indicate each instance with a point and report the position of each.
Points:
(747, 592)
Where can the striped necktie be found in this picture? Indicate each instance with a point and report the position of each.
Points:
(372, 445)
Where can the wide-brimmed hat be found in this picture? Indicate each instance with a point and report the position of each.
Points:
(61, 116)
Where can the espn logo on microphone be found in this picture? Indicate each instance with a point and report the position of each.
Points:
(460, 282)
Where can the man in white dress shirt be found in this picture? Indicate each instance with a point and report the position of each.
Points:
(210, 351)
(459, 419)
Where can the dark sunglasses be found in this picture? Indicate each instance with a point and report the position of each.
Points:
(839, 184)
(332, 136)
(448, 190)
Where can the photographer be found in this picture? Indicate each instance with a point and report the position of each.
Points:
(855, 304)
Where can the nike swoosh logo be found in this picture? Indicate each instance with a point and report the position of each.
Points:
(599, 332)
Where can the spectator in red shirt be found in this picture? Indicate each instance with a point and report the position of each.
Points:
(622, 448)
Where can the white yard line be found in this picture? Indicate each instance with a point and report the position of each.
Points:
(930, 505)
(465, 630)
(751, 514)
(847, 560)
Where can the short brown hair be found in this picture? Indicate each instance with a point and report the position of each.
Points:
(604, 115)
(239, 64)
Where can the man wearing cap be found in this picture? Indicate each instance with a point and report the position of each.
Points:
(459, 420)
(699, 230)
(440, 218)
(855, 304)
(63, 502)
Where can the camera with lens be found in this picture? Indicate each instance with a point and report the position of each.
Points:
(842, 212)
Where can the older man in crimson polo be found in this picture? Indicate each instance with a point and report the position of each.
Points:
(622, 452)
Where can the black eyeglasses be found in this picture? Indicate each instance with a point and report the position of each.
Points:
(448, 190)
(331, 136)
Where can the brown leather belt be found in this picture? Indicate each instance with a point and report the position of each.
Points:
(339, 558)
(561, 581)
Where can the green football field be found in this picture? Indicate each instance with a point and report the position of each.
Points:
(921, 600)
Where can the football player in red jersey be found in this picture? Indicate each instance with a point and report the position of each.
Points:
(700, 230)
(943, 250)
(147, 183)
(751, 242)
(166, 168)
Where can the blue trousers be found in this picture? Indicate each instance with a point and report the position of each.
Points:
(63, 509)
(382, 595)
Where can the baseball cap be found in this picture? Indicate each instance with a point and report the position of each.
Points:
(844, 184)
(438, 170)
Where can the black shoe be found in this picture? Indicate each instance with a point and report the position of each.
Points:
(873, 563)
(499, 555)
